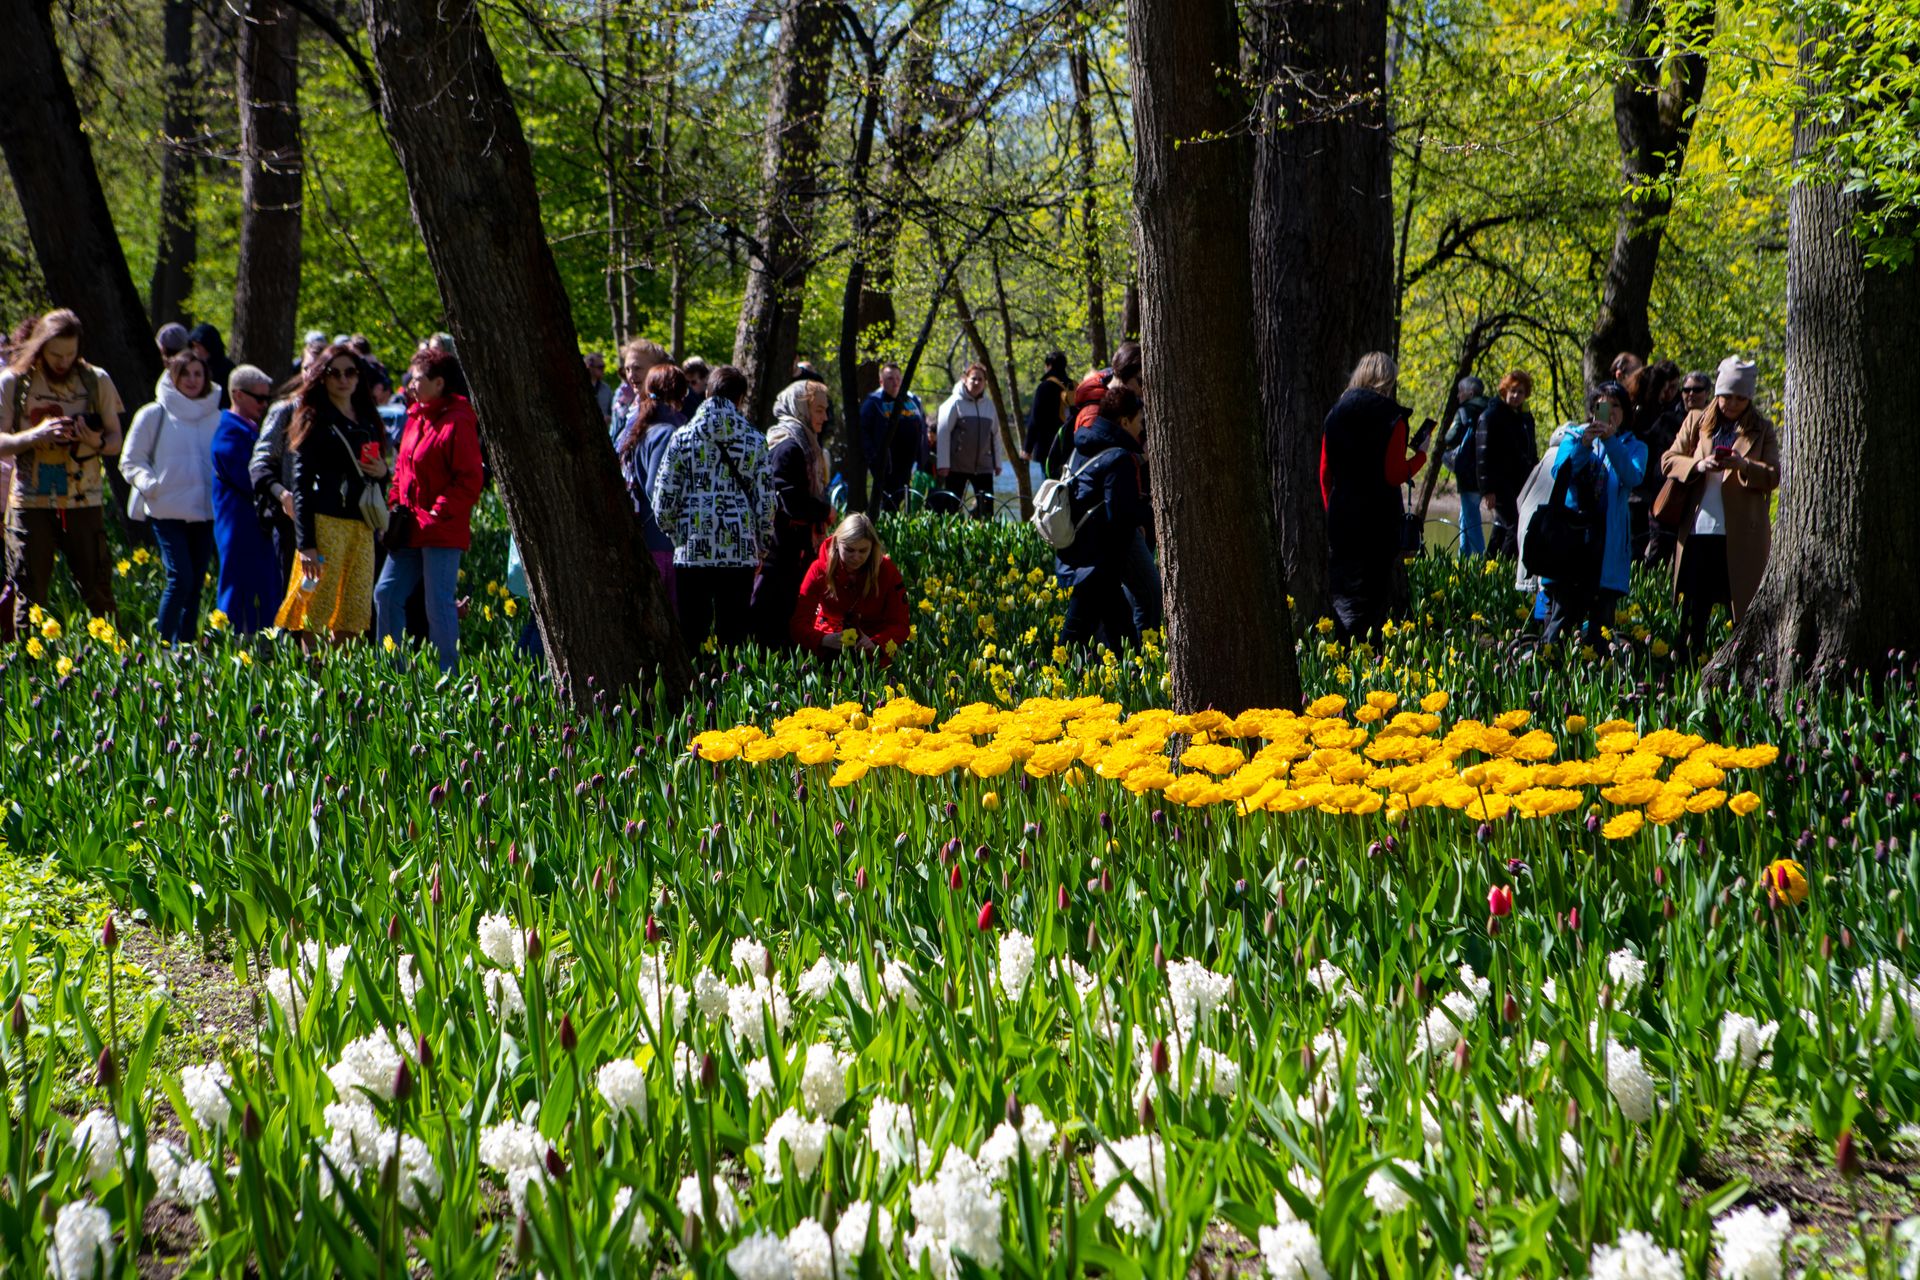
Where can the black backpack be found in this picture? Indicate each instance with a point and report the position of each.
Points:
(1567, 543)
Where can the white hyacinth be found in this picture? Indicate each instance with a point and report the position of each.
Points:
(1752, 1244)
(1573, 1167)
(1627, 1080)
(1636, 1257)
(761, 1256)
(511, 1145)
(367, 1064)
(502, 942)
(335, 958)
(1388, 1196)
(823, 1080)
(1479, 989)
(891, 1133)
(897, 981)
(1035, 1133)
(959, 1211)
(1303, 1182)
(408, 974)
(810, 1250)
(1519, 1115)
(417, 1171)
(1145, 1157)
(98, 1136)
(759, 1074)
(639, 1233)
(624, 1085)
(804, 1139)
(710, 995)
(1330, 980)
(1292, 1252)
(725, 1211)
(750, 958)
(204, 1089)
(504, 999)
(1195, 992)
(817, 984)
(82, 1245)
(1550, 991)
(1016, 963)
(747, 1007)
(1744, 1042)
(1884, 993)
(850, 1234)
(1628, 973)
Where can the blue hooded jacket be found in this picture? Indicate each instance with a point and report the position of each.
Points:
(1625, 459)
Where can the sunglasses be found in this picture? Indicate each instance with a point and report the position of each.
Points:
(250, 393)
(347, 374)
(1695, 391)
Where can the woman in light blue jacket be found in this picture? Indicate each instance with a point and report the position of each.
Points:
(1607, 464)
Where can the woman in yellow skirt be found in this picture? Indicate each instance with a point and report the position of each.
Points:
(336, 445)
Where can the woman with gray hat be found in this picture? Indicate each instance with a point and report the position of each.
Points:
(1723, 466)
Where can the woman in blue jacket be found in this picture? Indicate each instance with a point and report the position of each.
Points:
(1607, 464)
(1110, 508)
(251, 581)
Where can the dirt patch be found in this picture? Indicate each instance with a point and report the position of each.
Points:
(211, 1008)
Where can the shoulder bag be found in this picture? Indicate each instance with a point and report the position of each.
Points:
(373, 495)
(1562, 543)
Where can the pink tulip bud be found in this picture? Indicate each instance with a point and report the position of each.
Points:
(1162, 1061)
(535, 948)
(986, 915)
(556, 1167)
(569, 1038)
(110, 935)
(1500, 900)
(953, 877)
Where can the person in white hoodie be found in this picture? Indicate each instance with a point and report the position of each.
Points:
(967, 445)
(168, 459)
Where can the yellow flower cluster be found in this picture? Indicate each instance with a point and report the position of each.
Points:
(1274, 761)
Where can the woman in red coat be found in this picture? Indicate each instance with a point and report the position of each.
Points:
(852, 596)
(437, 481)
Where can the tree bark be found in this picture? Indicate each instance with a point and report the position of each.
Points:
(768, 337)
(266, 296)
(65, 208)
(1322, 245)
(1078, 53)
(1004, 407)
(601, 605)
(1841, 591)
(1229, 638)
(1023, 478)
(171, 290)
(1653, 106)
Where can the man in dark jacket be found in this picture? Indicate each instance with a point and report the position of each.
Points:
(1506, 454)
(1110, 507)
(1460, 453)
(892, 431)
(1047, 415)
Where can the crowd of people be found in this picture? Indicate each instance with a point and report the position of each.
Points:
(338, 504)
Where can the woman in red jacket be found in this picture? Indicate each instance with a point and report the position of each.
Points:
(852, 596)
(435, 486)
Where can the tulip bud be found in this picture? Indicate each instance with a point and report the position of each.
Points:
(709, 1073)
(1106, 880)
(556, 1167)
(569, 1038)
(1146, 1110)
(1161, 1059)
(105, 1073)
(953, 877)
(986, 915)
(1419, 989)
(652, 930)
(435, 894)
(1306, 1061)
(402, 1082)
(1510, 1008)
(1493, 926)
(1713, 918)
(1826, 946)
(1846, 1160)
(860, 880)
(1667, 910)
(393, 928)
(1573, 1114)
(110, 935)
(1900, 938)
(250, 1126)
(1846, 938)
(1093, 937)
(19, 1019)
(1159, 958)
(1270, 924)
(523, 1237)
(1573, 919)
(1280, 897)
(1460, 1055)
(424, 1052)
(535, 948)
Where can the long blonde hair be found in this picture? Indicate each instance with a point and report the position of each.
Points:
(857, 528)
(1376, 372)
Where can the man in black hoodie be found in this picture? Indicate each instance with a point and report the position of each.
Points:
(206, 343)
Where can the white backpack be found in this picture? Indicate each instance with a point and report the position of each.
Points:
(1053, 505)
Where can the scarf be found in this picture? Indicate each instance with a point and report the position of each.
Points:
(792, 413)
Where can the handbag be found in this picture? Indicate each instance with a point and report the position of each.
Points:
(1563, 543)
(403, 522)
(373, 496)
(1671, 504)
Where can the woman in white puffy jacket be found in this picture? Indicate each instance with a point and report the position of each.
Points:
(168, 459)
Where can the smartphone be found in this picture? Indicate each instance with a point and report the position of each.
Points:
(1422, 436)
(1722, 452)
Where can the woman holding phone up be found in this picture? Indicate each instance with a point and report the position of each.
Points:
(1727, 460)
(1604, 462)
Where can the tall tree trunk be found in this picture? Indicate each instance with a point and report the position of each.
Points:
(1842, 587)
(1023, 478)
(1003, 407)
(1322, 246)
(1229, 638)
(854, 376)
(1653, 105)
(768, 337)
(1079, 51)
(266, 298)
(61, 198)
(600, 602)
(171, 290)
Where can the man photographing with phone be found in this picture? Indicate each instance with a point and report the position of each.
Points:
(59, 416)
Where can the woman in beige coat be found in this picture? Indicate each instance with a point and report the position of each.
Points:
(1726, 460)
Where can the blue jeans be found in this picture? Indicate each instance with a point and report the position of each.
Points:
(441, 568)
(186, 548)
(1140, 577)
(1473, 539)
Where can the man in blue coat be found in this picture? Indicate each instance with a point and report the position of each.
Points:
(893, 432)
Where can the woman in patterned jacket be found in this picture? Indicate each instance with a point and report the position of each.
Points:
(713, 496)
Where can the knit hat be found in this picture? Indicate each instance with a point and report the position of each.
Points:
(1736, 377)
(171, 339)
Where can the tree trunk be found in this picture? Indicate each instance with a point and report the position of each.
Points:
(266, 296)
(171, 290)
(62, 201)
(1003, 407)
(600, 602)
(1023, 478)
(1078, 53)
(1842, 588)
(1322, 246)
(1653, 106)
(1229, 638)
(768, 338)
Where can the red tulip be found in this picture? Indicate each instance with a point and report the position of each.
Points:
(986, 915)
(1500, 900)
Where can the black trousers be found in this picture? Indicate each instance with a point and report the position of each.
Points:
(1505, 538)
(1581, 607)
(956, 482)
(1703, 584)
(714, 601)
